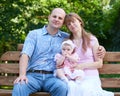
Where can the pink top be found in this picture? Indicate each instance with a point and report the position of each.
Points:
(67, 62)
(87, 57)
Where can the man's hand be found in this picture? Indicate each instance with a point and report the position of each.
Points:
(21, 79)
(101, 52)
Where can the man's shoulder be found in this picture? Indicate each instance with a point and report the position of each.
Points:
(36, 30)
(64, 34)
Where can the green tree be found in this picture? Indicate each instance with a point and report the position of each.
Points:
(18, 17)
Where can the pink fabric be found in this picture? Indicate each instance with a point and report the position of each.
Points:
(87, 57)
(67, 63)
(68, 70)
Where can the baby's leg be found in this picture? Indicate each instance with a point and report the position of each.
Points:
(61, 75)
(78, 75)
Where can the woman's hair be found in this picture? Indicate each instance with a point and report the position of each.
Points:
(85, 35)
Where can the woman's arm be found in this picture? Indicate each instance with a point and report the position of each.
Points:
(98, 62)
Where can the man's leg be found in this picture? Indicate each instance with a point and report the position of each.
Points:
(24, 89)
(56, 87)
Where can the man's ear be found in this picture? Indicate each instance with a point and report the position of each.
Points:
(48, 16)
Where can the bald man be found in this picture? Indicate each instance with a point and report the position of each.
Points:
(37, 63)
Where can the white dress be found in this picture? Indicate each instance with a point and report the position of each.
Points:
(90, 86)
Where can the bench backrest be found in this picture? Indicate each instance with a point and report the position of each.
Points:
(111, 70)
(9, 68)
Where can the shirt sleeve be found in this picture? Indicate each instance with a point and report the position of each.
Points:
(29, 43)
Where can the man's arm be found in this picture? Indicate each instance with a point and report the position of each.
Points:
(101, 52)
(22, 69)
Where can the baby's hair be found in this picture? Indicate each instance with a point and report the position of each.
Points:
(70, 43)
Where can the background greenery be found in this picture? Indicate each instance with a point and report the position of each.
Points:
(18, 17)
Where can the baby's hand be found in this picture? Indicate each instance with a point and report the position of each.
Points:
(74, 65)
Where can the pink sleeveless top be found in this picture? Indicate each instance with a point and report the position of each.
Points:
(87, 57)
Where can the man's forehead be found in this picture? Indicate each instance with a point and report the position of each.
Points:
(58, 10)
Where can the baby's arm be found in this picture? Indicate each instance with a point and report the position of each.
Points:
(73, 58)
(59, 59)
(59, 71)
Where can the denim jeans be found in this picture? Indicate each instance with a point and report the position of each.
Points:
(38, 82)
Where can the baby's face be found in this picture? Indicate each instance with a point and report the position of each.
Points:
(66, 49)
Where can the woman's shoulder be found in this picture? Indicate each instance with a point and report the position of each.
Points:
(93, 40)
(93, 37)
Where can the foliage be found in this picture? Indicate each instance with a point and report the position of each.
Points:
(18, 17)
(111, 26)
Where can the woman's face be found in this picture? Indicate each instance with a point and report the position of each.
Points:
(74, 26)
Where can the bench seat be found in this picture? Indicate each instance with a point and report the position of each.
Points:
(9, 70)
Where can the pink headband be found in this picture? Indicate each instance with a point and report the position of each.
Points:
(69, 42)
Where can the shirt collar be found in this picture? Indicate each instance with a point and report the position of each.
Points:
(45, 32)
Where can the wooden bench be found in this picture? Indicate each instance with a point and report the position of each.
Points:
(9, 69)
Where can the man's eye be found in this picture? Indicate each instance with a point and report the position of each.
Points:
(60, 18)
(54, 16)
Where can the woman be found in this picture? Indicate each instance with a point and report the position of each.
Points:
(87, 46)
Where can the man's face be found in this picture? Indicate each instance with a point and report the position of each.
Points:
(56, 18)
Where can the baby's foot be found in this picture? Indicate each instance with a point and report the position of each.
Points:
(78, 80)
(65, 79)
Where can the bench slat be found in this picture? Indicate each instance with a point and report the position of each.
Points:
(9, 68)
(106, 69)
(7, 80)
(106, 82)
(9, 92)
(110, 82)
(110, 69)
(112, 56)
(10, 56)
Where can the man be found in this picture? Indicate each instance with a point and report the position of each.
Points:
(37, 59)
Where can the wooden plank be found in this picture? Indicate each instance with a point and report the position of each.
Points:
(110, 69)
(19, 47)
(110, 82)
(40, 94)
(112, 56)
(7, 80)
(117, 93)
(106, 69)
(9, 68)
(10, 56)
(5, 92)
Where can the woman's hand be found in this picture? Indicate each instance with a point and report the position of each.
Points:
(78, 66)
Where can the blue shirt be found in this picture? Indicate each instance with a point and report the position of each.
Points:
(41, 48)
